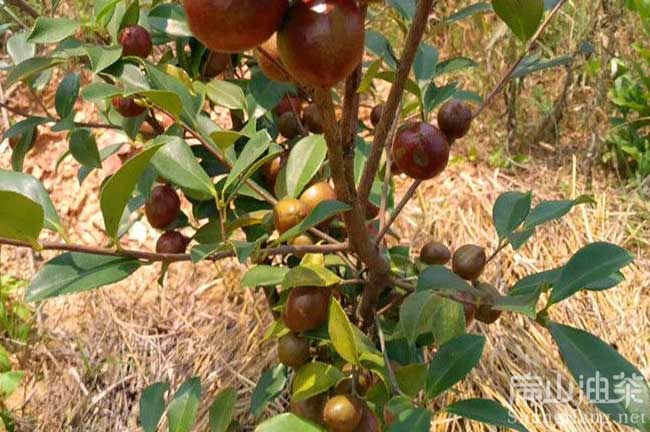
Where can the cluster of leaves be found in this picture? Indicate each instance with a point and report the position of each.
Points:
(415, 351)
(628, 140)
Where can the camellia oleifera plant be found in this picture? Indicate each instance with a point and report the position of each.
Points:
(369, 335)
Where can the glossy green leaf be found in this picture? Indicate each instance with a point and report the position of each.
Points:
(416, 314)
(20, 218)
(269, 387)
(254, 149)
(99, 91)
(590, 264)
(19, 49)
(152, 406)
(29, 68)
(342, 334)
(525, 304)
(453, 361)
(264, 275)
(426, 60)
(30, 187)
(547, 211)
(226, 94)
(448, 322)
(83, 148)
(163, 99)
(454, 65)
(522, 16)
(485, 411)
(50, 30)
(67, 94)
(509, 211)
(321, 213)
(118, 189)
(435, 96)
(288, 422)
(411, 378)
(176, 162)
(379, 45)
(222, 410)
(626, 396)
(103, 57)
(183, 408)
(104, 154)
(75, 272)
(412, 420)
(310, 275)
(314, 378)
(267, 93)
(441, 280)
(531, 283)
(169, 19)
(305, 159)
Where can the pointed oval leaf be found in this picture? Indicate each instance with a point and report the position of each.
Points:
(152, 406)
(183, 409)
(30, 187)
(442, 280)
(20, 218)
(287, 422)
(626, 396)
(255, 147)
(453, 362)
(310, 275)
(264, 275)
(117, 190)
(412, 420)
(75, 272)
(50, 30)
(269, 387)
(305, 159)
(522, 16)
(342, 334)
(486, 411)
(67, 94)
(590, 264)
(411, 378)
(314, 378)
(83, 148)
(547, 211)
(30, 67)
(222, 410)
(510, 210)
(416, 314)
(226, 94)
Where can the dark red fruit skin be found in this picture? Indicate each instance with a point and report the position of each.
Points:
(289, 125)
(164, 206)
(454, 119)
(307, 308)
(172, 242)
(135, 41)
(421, 150)
(312, 120)
(321, 41)
(215, 64)
(234, 26)
(469, 306)
(310, 409)
(127, 106)
(270, 62)
(288, 104)
(375, 114)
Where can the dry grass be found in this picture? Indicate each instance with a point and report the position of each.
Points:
(96, 351)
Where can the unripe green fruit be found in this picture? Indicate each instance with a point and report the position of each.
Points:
(293, 351)
(342, 413)
(469, 262)
(435, 253)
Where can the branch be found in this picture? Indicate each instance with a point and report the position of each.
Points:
(398, 209)
(79, 124)
(415, 34)
(24, 7)
(532, 44)
(169, 258)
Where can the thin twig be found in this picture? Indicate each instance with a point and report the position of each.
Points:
(532, 45)
(388, 174)
(159, 257)
(391, 373)
(398, 209)
(21, 113)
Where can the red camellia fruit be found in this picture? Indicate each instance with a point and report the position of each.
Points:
(135, 41)
(172, 242)
(215, 64)
(420, 150)
(127, 106)
(234, 26)
(288, 104)
(164, 206)
(270, 62)
(307, 308)
(321, 41)
(454, 119)
(375, 114)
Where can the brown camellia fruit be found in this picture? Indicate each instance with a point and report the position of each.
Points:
(363, 384)
(288, 213)
(485, 312)
(288, 104)
(454, 119)
(307, 308)
(135, 41)
(375, 114)
(468, 305)
(164, 206)
(316, 194)
(312, 120)
(310, 409)
(301, 240)
(127, 107)
(395, 169)
(342, 413)
(269, 60)
(289, 125)
(435, 253)
(234, 26)
(420, 150)
(215, 64)
(271, 169)
(321, 41)
(172, 242)
(469, 262)
(293, 351)
(369, 421)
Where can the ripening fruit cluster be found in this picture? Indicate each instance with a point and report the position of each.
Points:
(162, 210)
(468, 262)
